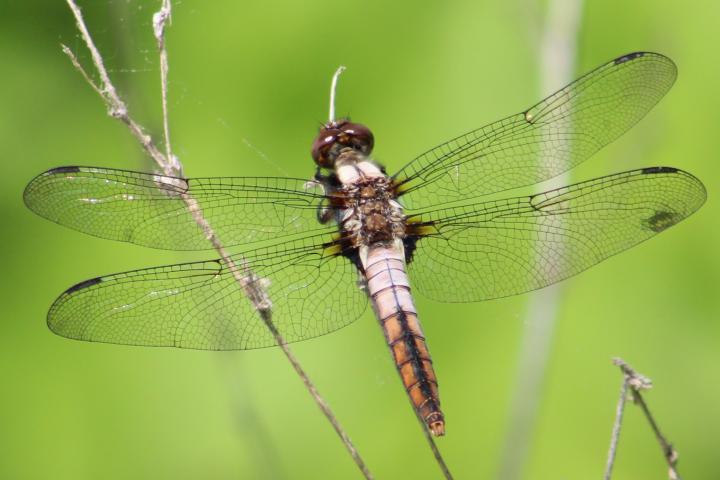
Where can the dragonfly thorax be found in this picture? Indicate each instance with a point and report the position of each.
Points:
(371, 214)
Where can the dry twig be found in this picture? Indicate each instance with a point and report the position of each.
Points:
(617, 424)
(253, 286)
(635, 383)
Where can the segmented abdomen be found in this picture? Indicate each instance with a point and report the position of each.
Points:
(389, 289)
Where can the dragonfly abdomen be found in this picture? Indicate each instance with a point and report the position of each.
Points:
(389, 289)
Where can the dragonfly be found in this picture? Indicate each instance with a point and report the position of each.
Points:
(354, 235)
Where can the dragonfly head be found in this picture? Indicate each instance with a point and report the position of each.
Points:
(336, 135)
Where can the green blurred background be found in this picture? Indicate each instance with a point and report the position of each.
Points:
(248, 89)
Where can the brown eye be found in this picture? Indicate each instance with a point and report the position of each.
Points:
(358, 136)
(321, 145)
(334, 136)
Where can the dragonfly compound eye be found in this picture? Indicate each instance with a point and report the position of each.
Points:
(335, 136)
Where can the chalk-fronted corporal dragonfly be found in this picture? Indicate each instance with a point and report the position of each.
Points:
(427, 227)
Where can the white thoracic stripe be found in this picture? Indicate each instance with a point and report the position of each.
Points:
(352, 173)
(388, 284)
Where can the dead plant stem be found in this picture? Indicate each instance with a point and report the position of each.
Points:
(251, 284)
(635, 383)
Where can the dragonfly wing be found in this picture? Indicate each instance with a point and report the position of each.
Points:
(152, 210)
(506, 247)
(545, 140)
(200, 305)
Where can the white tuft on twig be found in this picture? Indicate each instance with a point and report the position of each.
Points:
(634, 383)
(254, 287)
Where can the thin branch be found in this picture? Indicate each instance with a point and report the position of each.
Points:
(637, 383)
(106, 89)
(254, 287)
(76, 63)
(669, 452)
(160, 19)
(316, 395)
(615, 437)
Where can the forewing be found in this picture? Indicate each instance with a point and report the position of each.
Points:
(544, 141)
(201, 305)
(153, 210)
(506, 247)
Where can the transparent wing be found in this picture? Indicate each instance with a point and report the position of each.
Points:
(200, 305)
(152, 210)
(540, 143)
(505, 247)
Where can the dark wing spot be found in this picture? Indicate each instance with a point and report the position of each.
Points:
(410, 246)
(628, 57)
(85, 284)
(68, 169)
(651, 170)
(353, 255)
(661, 221)
(421, 229)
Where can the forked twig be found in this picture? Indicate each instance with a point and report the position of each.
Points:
(635, 383)
(160, 19)
(253, 286)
